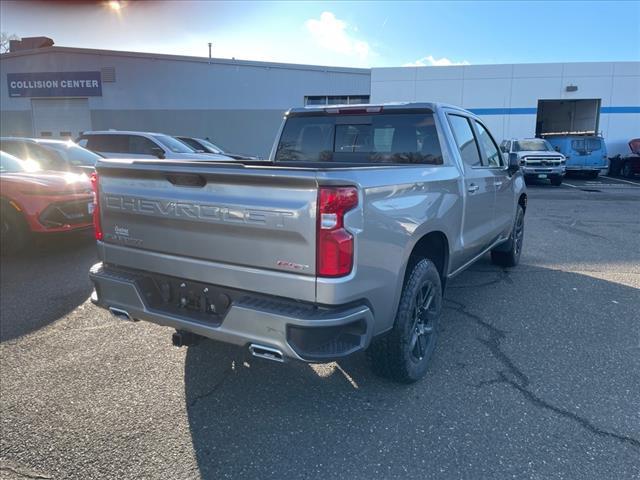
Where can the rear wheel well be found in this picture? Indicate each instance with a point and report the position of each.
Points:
(435, 247)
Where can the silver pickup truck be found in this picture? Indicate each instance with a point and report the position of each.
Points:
(343, 241)
(537, 159)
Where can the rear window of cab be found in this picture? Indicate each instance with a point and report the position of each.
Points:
(380, 138)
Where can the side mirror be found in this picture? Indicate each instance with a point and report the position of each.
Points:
(514, 163)
(158, 152)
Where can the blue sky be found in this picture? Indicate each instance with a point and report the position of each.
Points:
(359, 34)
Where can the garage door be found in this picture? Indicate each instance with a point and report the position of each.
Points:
(60, 117)
(568, 116)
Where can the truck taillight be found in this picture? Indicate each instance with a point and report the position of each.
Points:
(334, 242)
(97, 226)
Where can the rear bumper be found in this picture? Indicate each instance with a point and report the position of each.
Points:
(300, 331)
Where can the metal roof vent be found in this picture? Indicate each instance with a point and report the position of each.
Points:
(108, 74)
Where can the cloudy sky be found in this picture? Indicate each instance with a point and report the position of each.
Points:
(362, 34)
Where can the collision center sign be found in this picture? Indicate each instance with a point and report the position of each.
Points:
(55, 84)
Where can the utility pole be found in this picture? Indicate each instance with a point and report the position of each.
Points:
(209, 52)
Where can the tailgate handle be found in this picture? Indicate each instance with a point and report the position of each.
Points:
(187, 180)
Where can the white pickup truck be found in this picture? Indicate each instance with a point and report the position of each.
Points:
(343, 241)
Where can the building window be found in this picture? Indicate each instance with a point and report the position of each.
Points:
(315, 100)
(335, 99)
(338, 100)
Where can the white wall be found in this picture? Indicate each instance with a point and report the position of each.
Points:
(163, 82)
(518, 88)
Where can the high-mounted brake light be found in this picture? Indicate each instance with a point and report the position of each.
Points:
(354, 110)
(97, 226)
(334, 243)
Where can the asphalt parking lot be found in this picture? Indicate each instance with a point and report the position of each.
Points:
(536, 374)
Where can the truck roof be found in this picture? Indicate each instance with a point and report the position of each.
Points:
(384, 106)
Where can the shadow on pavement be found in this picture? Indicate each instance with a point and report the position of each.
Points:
(44, 282)
(251, 418)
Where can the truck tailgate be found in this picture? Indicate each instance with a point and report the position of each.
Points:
(243, 221)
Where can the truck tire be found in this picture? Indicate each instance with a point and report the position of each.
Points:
(13, 231)
(556, 181)
(508, 254)
(403, 353)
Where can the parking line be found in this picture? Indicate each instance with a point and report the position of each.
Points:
(569, 185)
(621, 180)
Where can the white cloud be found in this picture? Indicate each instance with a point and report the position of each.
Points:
(434, 62)
(334, 34)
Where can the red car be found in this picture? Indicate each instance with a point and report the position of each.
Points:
(40, 202)
(628, 165)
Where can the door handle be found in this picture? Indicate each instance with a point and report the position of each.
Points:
(473, 188)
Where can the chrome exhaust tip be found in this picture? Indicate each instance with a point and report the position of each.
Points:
(121, 314)
(268, 353)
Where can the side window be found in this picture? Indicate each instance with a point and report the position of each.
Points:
(465, 140)
(108, 143)
(577, 145)
(141, 145)
(593, 144)
(488, 146)
(48, 159)
(192, 143)
(82, 142)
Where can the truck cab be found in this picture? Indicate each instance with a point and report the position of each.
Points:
(585, 154)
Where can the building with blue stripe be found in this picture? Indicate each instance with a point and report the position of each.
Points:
(522, 100)
(60, 91)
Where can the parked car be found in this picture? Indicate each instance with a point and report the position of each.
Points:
(627, 165)
(125, 144)
(205, 146)
(35, 202)
(537, 158)
(584, 153)
(53, 155)
(343, 241)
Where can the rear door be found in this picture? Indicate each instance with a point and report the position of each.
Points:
(478, 229)
(578, 153)
(596, 155)
(502, 181)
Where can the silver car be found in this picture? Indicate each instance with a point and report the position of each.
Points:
(130, 144)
